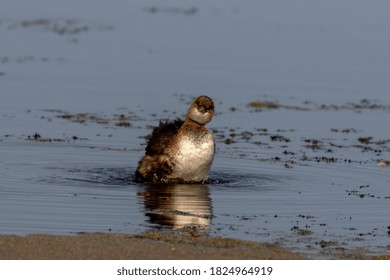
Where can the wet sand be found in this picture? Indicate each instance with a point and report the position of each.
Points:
(150, 246)
(154, 246)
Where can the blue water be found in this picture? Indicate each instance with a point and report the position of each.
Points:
(326, 64)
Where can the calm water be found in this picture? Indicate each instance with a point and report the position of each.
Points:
(78, 98)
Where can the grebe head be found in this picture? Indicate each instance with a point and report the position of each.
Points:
(201, 110)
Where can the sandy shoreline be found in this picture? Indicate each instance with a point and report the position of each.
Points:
(152, 246)
(142, 247)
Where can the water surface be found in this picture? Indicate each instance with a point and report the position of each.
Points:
(301, 93)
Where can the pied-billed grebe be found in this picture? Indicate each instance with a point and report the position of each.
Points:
(180, 151)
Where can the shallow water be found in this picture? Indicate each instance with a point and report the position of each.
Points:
(72, 186)
(305, 172)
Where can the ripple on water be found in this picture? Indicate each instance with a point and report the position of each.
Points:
(313, 206)
(111, 176)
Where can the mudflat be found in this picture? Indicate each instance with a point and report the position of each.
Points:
(149, 246)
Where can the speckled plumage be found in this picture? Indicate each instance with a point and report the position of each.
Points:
(180, 151)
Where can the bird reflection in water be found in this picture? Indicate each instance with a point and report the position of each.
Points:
(179, 206)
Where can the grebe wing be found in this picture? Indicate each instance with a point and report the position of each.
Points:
(162, 136)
